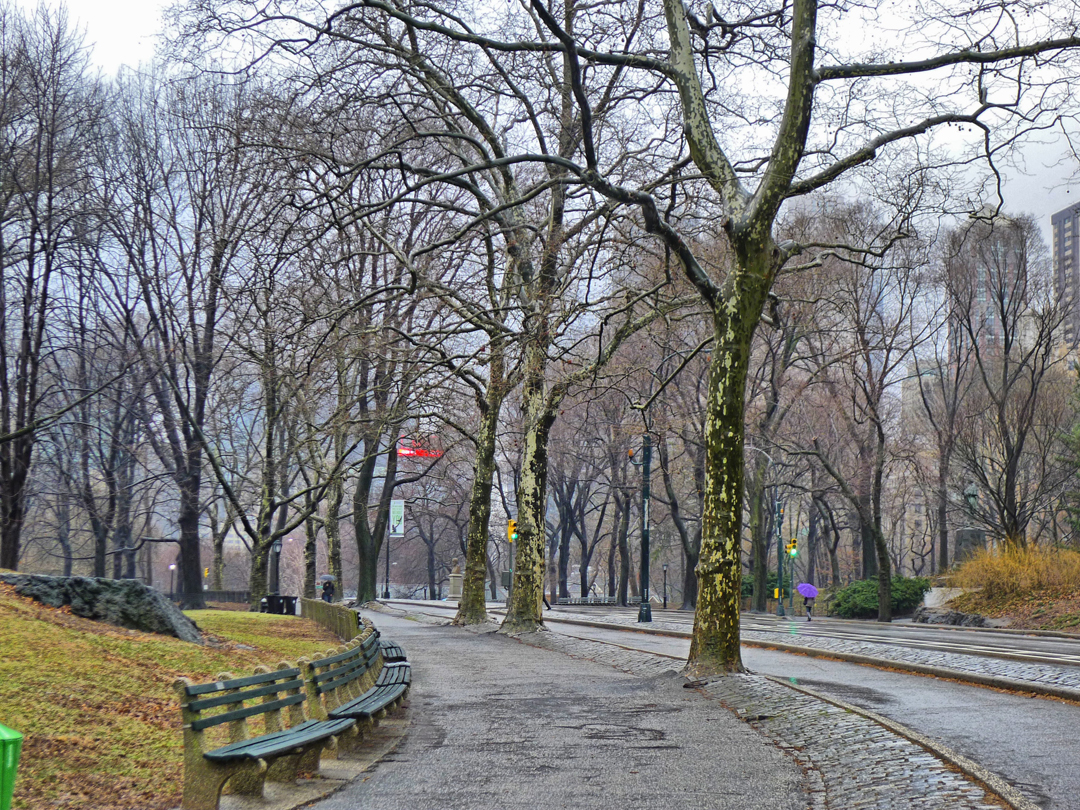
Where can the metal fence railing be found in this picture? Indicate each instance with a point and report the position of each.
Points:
(596, 600)
(342, 621)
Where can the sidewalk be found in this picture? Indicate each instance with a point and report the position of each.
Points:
(559, 722)
(500, 725)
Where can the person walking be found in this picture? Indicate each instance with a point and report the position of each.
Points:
(808, 603)
(328, 591)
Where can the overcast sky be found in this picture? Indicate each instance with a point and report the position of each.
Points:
(124, 32)
(121, 31)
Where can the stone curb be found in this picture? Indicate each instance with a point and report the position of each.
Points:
(994, 783)
(992, 681)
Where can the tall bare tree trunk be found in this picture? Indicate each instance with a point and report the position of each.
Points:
(525, 611)
(471, 609)
(715, 645)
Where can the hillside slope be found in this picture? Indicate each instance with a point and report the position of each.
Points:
(96, 704)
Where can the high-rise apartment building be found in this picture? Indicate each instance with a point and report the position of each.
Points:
(1066, 238)
(986, 267)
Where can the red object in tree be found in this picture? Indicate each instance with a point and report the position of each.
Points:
(414, 450)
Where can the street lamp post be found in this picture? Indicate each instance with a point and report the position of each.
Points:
(275, 566)
(645, 611)
(665, 586)
(172, 572)
(779, 558)
(386, 588)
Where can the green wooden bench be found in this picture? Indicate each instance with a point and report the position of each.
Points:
(391, 652)
(245, 761)
(355, 683)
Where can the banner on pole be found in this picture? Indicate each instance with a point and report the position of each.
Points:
(397, 518)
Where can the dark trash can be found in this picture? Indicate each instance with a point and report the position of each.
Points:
(289, 606)
(273, 603)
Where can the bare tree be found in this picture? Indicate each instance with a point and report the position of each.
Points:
(50, 111)
(188, 195)
(876, 327)
(752, 148)
(1004, 313)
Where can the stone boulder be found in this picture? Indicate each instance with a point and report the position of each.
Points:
(121, 602)
(943, 615)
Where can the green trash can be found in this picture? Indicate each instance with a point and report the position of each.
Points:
(10, 746)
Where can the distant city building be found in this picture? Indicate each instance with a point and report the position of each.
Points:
(1066, 238)
(987, 272)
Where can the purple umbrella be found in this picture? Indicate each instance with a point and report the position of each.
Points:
(806, 589)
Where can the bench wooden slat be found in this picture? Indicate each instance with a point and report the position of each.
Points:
(280, 742)
(391, 676)
(245, 694)
(336, 658)
(239, 683)
(342, 669)
(371, 702)
(353, 665)
(392, 651)
(359, 659)
(247, 711)
(353, 674)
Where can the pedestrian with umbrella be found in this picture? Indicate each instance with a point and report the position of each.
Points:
(808, 593)
(328, 587)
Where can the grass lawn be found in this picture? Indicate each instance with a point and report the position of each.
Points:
(96, 704)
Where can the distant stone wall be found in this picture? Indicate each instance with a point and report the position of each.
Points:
(337, 618)
(121, 602)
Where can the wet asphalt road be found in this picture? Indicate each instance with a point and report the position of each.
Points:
(1034, 743)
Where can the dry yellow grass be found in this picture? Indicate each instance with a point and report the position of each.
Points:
(96, 704)
(1007, 573)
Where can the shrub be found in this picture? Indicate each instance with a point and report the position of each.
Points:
(859, 600)
(770, 585)
(1008, 572)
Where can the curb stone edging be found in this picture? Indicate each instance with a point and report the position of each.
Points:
(991, 681)
(994, 783)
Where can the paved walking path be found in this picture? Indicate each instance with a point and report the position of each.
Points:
(498, 724)
(545, 720)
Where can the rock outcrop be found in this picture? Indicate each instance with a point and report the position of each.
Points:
(943, 615)
(121, 602)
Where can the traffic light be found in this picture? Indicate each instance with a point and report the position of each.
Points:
(793, 548)
(511, 530)
(206, 572)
